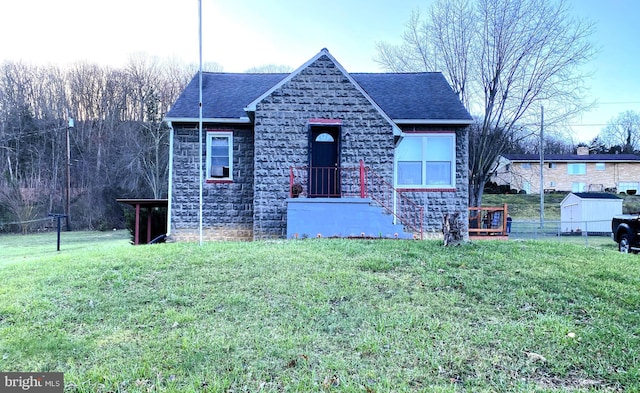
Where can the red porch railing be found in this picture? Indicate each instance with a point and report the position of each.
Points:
(359, 182)
(409, 213)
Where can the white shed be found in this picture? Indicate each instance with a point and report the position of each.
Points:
(589, 211)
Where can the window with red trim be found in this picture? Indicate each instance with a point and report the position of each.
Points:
(426, 161)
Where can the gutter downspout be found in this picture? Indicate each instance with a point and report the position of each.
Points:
(170, 187)
(395, 178)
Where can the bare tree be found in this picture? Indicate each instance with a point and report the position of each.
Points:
(118, 147)
(623, 131)
(505, 59)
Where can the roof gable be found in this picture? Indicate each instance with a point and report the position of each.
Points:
(324, 52)
(574, 196)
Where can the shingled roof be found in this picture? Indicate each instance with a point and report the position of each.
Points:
(410, 96)
(224, 95)
(572, 157)
(422, 95)
(595, 195)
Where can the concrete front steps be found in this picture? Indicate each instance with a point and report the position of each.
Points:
(340, 217)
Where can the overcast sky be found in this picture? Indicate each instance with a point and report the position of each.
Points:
(241, 34)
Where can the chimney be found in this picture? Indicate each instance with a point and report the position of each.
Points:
(583, 151)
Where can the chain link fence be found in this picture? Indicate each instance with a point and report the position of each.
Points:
(589, 233)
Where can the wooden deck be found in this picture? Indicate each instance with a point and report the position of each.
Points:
(488, 223)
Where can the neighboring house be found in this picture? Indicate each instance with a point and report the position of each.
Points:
(312, 128)
(582, 172)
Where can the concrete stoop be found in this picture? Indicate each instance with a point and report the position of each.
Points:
(340, 217)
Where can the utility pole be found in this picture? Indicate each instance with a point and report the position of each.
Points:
(67, 212)
(541, 167)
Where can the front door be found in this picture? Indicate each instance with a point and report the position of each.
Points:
(324, 162)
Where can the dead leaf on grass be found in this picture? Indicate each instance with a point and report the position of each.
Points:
(294, 362)
(331, 382)
(536, 357)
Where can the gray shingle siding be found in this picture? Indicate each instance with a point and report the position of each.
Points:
(227, 207)
(281, 137)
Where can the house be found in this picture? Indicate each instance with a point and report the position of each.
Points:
(395, 141)
(581, 172)
(589, 212)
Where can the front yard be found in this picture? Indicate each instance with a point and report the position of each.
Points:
(320, 315)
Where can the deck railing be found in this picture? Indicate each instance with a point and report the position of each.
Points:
(488, 221)
(358, 182)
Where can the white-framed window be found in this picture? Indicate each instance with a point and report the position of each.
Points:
(552, 165)
(219, 155)
(577, 169)
(624, 186)
(600, 166)
(426, 161)
(525, 165)
(578, 187)
(552, 184)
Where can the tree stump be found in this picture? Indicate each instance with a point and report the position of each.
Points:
(452, 229)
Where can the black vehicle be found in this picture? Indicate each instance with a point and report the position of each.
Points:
(626, 232)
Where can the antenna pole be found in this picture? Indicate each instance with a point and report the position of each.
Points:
(200, 117)
(541, 167)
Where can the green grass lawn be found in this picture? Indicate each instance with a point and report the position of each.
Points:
(320, 315)
(526, 207)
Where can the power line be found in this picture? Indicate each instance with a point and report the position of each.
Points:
(25, 222)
